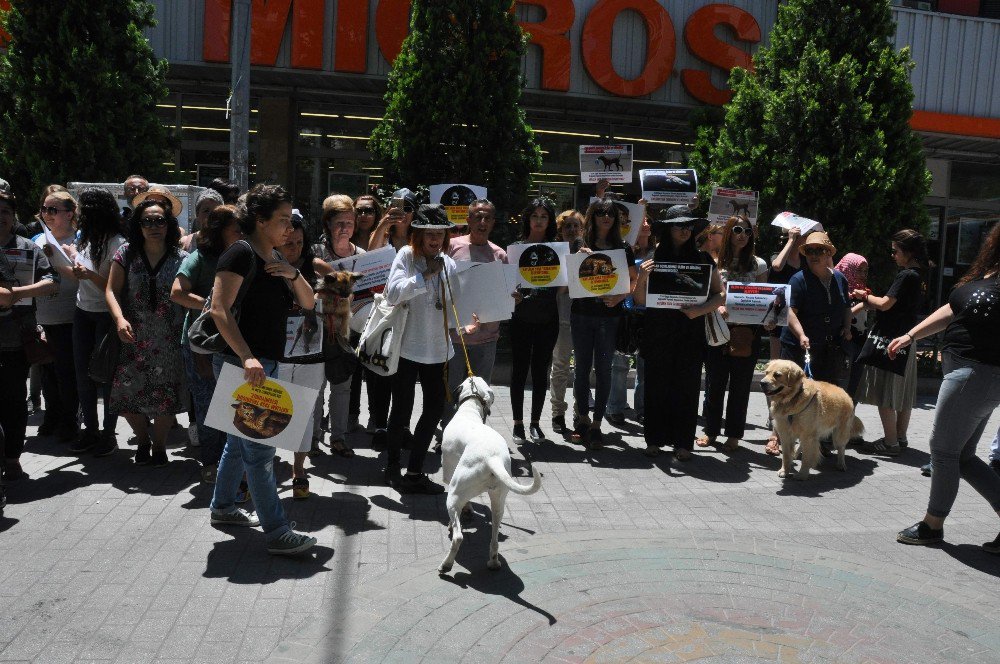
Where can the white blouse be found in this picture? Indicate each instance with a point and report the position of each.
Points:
(424, 337)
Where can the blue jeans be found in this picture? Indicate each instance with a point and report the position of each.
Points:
(969, 394)
(201, 388)
(593, 347)
(258, 461)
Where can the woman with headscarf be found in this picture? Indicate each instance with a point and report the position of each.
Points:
(855, 268)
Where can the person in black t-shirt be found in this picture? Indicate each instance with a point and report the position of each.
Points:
(894, 394)
(969, 394)
(256, 342)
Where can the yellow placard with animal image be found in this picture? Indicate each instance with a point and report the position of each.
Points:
(275, 413)
(598, 274)
(539, 265)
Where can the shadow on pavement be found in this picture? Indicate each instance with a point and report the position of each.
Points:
(502, 582)
(973, 556)
(826, 477)
(245, 560)
(346, 511)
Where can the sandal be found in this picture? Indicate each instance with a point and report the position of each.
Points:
(732, 444)
(300, 488)
(341, 448)
(773, 446)
(704, 441)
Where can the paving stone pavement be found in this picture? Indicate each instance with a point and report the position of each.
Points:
(618, 558)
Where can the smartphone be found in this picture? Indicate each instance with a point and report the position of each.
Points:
(397, 203)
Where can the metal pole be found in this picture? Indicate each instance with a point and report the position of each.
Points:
(239, 120)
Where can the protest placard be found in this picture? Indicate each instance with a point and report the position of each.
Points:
(605, 162)
(673, 285)
(631, 216)
(669, 186)
(374, 267)
(481, 289)
(757, 304)
(539, 265)
(53, 250)
(187, 194)
(303, 335)
(598, 274)
(787, 220)
(18, 270)
(456, 199)
(275, 413)
(728, 203)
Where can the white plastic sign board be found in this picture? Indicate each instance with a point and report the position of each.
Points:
(303, 335)
(56, 254)
(728, 203)
(669, 186)
(539, 265)
(605, 162)
(481, 289)
(631, 215)
(456, 199)
(673, 285)
(789, 220)
(757, 304)
(188, 194)
(275, 413)
(598, 274)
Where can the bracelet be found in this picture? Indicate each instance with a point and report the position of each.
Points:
(298, 273)
(912, 338)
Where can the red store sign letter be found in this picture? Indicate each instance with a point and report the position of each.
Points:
(660, 51)
(552, 37)
(699, 35)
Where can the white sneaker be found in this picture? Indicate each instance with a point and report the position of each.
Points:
(238, 517)
(193, 435)
(290, 543)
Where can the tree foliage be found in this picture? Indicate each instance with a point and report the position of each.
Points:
(822, 127)
(79, 86)
(453, 109)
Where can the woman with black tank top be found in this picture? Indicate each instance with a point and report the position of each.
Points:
(969, 393)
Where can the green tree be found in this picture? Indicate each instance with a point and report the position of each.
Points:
(79, 86)
(822, 127)
(452, 102)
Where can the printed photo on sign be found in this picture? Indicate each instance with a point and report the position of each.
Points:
(303, 335)
(275, 413)
(18, 269)
(757, 304)
(787, 220)
(374, 265)
(669, 186)
(481, 289)
(605, 162)
(728, 203)
(673, 285)
(539, 265)
(598, 274)
(456, 199)
(630, 215)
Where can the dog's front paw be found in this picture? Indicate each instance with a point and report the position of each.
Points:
(494, 564)
(782, 474)
(842, 466)
(444, 569)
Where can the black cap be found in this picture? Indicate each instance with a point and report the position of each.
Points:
(431, 217)
(406, 195)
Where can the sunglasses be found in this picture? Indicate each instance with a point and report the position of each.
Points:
(603, 213)
(53, 210)
(366, 210)
(153, 222)
(815, 251)
(686, 226)
(740, 230)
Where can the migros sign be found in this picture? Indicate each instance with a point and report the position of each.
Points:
(552, 35)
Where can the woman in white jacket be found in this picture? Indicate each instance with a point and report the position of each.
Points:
(417, 279)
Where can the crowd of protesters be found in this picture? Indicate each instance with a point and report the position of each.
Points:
(135, 276)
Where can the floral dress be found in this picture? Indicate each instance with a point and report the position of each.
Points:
(149, 379)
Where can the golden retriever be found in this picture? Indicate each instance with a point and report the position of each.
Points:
(807, 410)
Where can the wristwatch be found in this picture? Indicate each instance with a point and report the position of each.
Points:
(298, 273)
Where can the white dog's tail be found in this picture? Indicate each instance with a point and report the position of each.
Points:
(498, 468)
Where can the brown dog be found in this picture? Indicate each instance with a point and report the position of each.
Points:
(333, 292)
(806, 410)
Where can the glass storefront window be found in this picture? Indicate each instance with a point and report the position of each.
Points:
(976, 182)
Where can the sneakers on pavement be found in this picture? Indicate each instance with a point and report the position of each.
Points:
(926, 470)
(419, 484)
(920, 534)
(238, 517)
(290, 543)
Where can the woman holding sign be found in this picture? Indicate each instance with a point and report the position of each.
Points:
(733, 363)
(594, 325)
(673, 340)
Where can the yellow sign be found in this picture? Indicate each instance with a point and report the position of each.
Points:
(539, 265)
(261, 412)
(598, 274)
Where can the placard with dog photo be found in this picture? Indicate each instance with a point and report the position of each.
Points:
(669, 186)
(631, 216)
(540, 265)
(673, 285)
(757, 304)
(303, 335)
(788, 219)
(598, 274)
(374, 267)
(605, 162)
(275, 413)
(728, 203)
(456, 199)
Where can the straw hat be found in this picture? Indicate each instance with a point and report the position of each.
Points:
(817, 239)
(175, 203)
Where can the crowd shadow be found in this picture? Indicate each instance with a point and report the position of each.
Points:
(244, 560)
(348, 512)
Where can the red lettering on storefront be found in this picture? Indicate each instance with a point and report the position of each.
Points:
(392, 23)
(702, 42)
(660, 47)
(551, 35)
(351, 45)
(268, 21)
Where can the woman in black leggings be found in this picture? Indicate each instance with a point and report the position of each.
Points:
(534, 327)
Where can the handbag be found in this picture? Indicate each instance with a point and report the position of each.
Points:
(629, 336)
(36, 348)
(340, 360)
(741, 340)
(716, 329)
(203, 334)
(104, 359)
(381, 339)
(875, 352)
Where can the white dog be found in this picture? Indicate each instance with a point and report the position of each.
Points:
(476, 460)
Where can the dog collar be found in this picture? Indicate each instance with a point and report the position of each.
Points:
(480, 399)
(808, 403)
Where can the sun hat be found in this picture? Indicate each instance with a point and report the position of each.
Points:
(431, 217)
(817, 239)
(175, 203)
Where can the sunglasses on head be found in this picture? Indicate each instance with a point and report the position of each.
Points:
(366, 210)
(153, 222)
(52, 210)
(815, 251)
(740, 230)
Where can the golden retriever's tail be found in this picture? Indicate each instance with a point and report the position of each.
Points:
(498, 468)
(857, 428)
